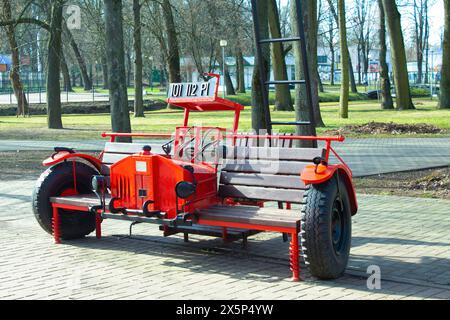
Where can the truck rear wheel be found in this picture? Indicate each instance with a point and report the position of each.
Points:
(59, 180)
(326, 228)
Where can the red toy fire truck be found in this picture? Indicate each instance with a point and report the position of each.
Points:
(210, 181)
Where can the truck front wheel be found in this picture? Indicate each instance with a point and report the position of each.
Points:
(326, 228)
(59, 180)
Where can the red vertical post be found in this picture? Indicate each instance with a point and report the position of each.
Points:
(56, 230)
(98, 225)
(236, 125)
(295, 265)
(186, 117)
(225, 234)
(327, 148)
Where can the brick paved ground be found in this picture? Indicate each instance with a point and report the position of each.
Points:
(364, 156)
(408, 238)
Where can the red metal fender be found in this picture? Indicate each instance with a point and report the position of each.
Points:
(310, 176)
(62, 156)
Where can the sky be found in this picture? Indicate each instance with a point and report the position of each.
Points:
(436, 19)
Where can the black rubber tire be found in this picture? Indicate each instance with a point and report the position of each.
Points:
(326, 259)
(51, 183)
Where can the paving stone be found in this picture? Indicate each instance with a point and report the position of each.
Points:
(412, 250)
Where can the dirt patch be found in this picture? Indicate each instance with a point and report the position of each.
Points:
(387, 128)
(436, 181)
(24, 165)
(431, 183)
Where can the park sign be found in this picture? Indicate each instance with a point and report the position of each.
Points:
(193, 90)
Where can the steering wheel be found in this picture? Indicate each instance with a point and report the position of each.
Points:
(186, 151)
(203, 151)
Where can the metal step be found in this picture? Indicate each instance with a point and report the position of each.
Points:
(290, 123)
(280, 40)
(285, 82)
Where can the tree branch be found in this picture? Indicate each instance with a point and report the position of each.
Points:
(37, 22)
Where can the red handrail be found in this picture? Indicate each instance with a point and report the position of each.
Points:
(328, 140)
(249, 136)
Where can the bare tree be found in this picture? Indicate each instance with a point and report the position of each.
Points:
(259, 120)
(54, 120)
(302, 107)
(350, 64)
(283, 99)
(14, 74)
(138, 65)
(240, 72)
(444, 100)
(343, 103)
(363, 31)
(386, 97)
(403, 95)
(421, 33)
(173, 56)
(87, 81)
(120, 115)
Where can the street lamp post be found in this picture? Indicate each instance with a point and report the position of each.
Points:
(223, 44)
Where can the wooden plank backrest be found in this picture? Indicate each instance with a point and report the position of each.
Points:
(115, 151)
(262, 173)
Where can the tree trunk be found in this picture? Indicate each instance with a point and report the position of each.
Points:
(311, 31)
(302, 108)
(128, 67)
(386, 97)
(240, 70)
(350, 64)
(283, 100)
(403, 96)
(444, 100)
(258, 111)
(343, 102)
(353, 86)
(14, 73)
(115, 53)
(87, 83)
(321, 89)
(138, 86)
(173, 58)
(54, 120)
(66, 74)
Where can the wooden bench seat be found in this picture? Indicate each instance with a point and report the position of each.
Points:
(252, 215)
(86, 200)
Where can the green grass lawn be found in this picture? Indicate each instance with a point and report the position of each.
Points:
(90, 126)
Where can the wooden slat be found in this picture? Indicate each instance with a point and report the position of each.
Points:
(257, 217)
(251, 221)
(265, 153)
(262, 180)
(265, 166)
(110, 158)
(128, 148)
(257, 193)
(78, 200)
(278, 214)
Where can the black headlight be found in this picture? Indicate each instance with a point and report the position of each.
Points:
(185, 189)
